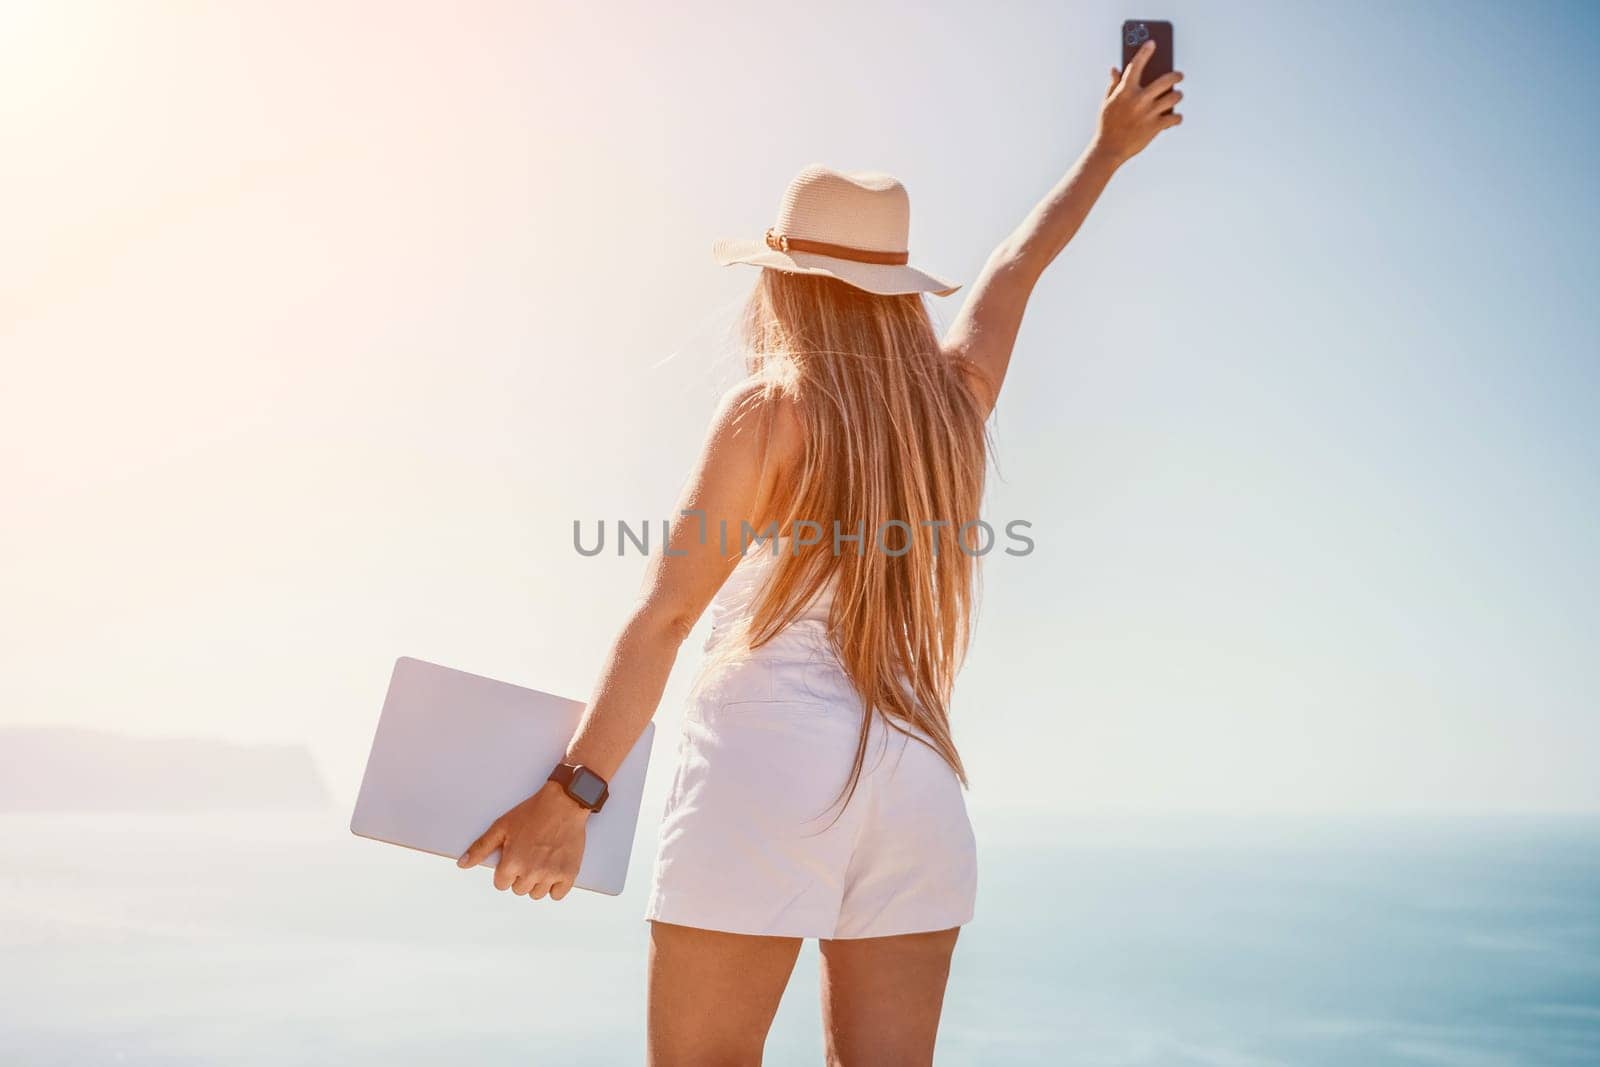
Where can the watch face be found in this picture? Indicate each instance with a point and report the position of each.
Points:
(587, 786)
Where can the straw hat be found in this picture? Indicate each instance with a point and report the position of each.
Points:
(852, 227)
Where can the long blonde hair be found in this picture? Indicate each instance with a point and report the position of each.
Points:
(894, 443)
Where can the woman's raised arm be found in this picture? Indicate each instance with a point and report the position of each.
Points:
(983, 334)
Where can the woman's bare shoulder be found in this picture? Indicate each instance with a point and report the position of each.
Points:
(757, 415)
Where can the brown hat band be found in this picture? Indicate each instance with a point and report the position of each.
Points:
(780, 243)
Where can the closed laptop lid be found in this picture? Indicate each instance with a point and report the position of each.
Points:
(454, 751)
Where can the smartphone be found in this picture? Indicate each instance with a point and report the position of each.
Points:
(1135, 32)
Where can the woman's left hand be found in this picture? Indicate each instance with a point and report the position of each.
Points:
(540, 842)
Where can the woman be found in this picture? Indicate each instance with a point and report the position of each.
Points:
(819, 792)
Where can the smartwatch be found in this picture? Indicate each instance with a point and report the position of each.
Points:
(581, 784)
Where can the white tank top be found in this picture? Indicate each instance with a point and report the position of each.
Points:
(735, 602)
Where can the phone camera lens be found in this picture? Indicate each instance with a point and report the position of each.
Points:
(1142, 33)
(1131, 38)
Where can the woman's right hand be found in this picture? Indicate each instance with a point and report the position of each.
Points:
(1132, 115)
(541, 844)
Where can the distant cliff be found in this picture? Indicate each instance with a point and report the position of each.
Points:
(57, 769)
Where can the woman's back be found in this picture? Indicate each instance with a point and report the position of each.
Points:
(890, 463)
(734, 607)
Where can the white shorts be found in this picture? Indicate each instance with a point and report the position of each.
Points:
(753, 841)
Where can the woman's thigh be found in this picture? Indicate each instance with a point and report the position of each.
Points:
(881, 997)
(712, 995)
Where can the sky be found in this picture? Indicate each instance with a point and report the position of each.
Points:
(322, 323)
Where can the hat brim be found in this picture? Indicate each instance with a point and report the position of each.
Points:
(879, 278)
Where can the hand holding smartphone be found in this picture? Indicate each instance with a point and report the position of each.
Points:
(1140, 100)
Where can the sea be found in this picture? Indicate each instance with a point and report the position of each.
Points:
(1100, 939)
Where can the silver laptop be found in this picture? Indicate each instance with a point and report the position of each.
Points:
(455, 750)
